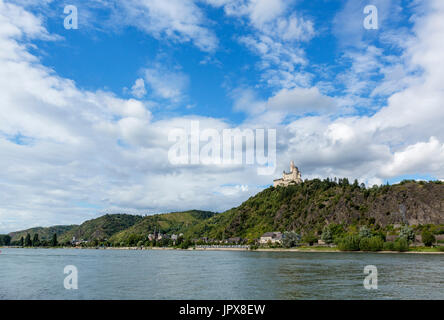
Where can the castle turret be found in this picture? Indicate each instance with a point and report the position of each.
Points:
(293, 177)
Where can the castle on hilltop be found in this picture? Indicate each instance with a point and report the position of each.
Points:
(293, 177)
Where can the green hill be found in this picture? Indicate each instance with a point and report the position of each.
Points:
(101, 228)
(44, 233)
(309, 206)
(305, 208)
(175, 222)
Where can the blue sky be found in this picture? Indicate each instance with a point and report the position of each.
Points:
(86, 113)
(99, 57)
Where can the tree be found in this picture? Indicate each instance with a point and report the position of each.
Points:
(54, 241)
(35, 240)
(407, 233)
(5, 240)
(401, 244)
(365, 232)
(21, 242)
(349, 243)
(290, 239)
(327, 235)
(309, 238)
(428, 238)
(371, 244)
(28, 242)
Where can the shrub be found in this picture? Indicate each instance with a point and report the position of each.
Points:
(185, 245)
(349, 243)
(441, 248)
(309, 238)
(291, 239)
(401, 245)
(407, 233)
(327, 235)
(365, 232)
(371, 244)
(428, 238)
(389, 246)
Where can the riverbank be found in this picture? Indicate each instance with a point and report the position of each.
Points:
(300, 249)
(312, 250)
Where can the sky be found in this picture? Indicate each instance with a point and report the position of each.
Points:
(86, 112)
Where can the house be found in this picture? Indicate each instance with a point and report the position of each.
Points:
(273, 237)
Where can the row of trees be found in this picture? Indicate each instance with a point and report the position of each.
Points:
(36, 242)
(5, 240)
(365, 240)
(374, 243)
(370, 240)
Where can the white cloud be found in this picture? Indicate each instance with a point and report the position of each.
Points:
(138, 89)
(296, 101)
(422, 158)
(300, 101)
(166, 83)
(180, 20)
(275, 37)
(68, 153)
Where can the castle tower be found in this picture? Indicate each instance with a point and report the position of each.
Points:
(293, 177)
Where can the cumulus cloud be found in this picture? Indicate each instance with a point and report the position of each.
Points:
(422, 157)
(138, 89)
(286, 102)
(301, 100)
(69, 154)
(166, 83)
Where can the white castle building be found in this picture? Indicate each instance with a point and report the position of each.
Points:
(293, 177)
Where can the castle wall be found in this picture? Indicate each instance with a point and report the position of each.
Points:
(293, 177)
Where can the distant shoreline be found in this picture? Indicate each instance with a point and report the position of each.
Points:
(308, 250)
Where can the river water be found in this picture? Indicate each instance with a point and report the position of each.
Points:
(175, 274)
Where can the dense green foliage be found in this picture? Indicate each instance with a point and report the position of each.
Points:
(388, 246)
(54, 242)
(401, 245)
(290, 239)
(28, 241)
(101, 228)
(44, 233)
(371, 244)
(428, 238)
(306, 208)
(365, 232)
(349, 243)
(169, 223)
(349, 215)
(327, 235)
(407, 233)
(5, 240)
